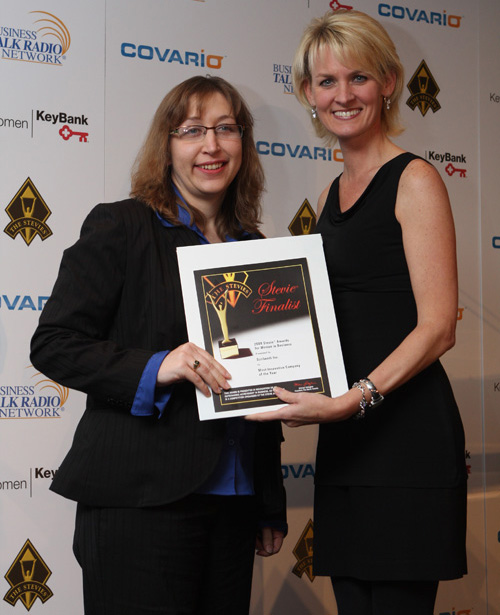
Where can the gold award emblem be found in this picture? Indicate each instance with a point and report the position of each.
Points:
(27, 578)
(424, 90)
(304, 222)
(303, 552)
(220, 294)
(28, 213)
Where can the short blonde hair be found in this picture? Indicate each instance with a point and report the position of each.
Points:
(355, 38)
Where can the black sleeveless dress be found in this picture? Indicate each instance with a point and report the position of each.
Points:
(390, 498)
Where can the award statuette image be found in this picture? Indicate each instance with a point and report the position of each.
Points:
(228, 347)
(261, 320)
(221, 290)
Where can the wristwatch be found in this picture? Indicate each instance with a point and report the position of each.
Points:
(377, 398)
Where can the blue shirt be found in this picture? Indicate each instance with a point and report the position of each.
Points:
(233, 474)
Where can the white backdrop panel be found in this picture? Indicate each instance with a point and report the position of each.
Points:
(122, 59)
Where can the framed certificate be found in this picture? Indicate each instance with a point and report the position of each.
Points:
(263, 309)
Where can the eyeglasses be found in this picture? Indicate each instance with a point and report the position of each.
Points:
(197, 133)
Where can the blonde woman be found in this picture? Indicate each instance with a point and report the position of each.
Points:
(390, 497)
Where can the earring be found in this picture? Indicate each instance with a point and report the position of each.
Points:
(387, 103)
(313, 113)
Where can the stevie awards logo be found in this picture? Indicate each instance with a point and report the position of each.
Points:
(225, 289)
(424, 90)
(27, 577)
(303, 552)
(304, 221)
(28, 213)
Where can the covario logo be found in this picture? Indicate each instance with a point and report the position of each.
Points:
(432, 18)
(163, 54)
(496, 242)
(32, 303)
(301, 470)
(265, 148)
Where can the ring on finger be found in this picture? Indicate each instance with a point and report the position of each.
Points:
(196, 364)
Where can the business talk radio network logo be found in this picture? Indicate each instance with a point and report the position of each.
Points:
(44, 399)
(46, 42)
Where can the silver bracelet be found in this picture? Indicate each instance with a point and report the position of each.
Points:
(377, 398)
(360, 414)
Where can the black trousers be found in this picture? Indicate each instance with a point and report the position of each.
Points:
(356, 597)
(192, 557)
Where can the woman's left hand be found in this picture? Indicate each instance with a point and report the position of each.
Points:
(269, 541)
(310, 408)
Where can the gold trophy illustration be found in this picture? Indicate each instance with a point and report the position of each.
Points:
(228, 347)
(226, 289)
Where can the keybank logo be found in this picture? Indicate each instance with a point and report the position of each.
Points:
(432, 18)
(454, 162)
(164, 54)
(39, 117)
(336, 6)
(61, 117)
(47, 43)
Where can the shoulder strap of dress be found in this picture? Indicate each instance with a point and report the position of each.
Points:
(403, 160)
(332, 195)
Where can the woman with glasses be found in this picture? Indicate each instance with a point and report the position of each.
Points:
(170, 509)
(390, 494)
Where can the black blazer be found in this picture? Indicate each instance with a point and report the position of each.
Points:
(117, 300)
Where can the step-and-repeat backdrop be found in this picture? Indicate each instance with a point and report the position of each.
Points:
(80, 82)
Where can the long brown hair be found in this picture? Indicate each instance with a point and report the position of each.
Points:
(151, 174)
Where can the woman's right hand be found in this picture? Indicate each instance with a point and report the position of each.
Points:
(310, 408)
(192, 363)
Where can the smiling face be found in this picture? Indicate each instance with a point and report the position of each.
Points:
(203, 170)
(348, 100)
